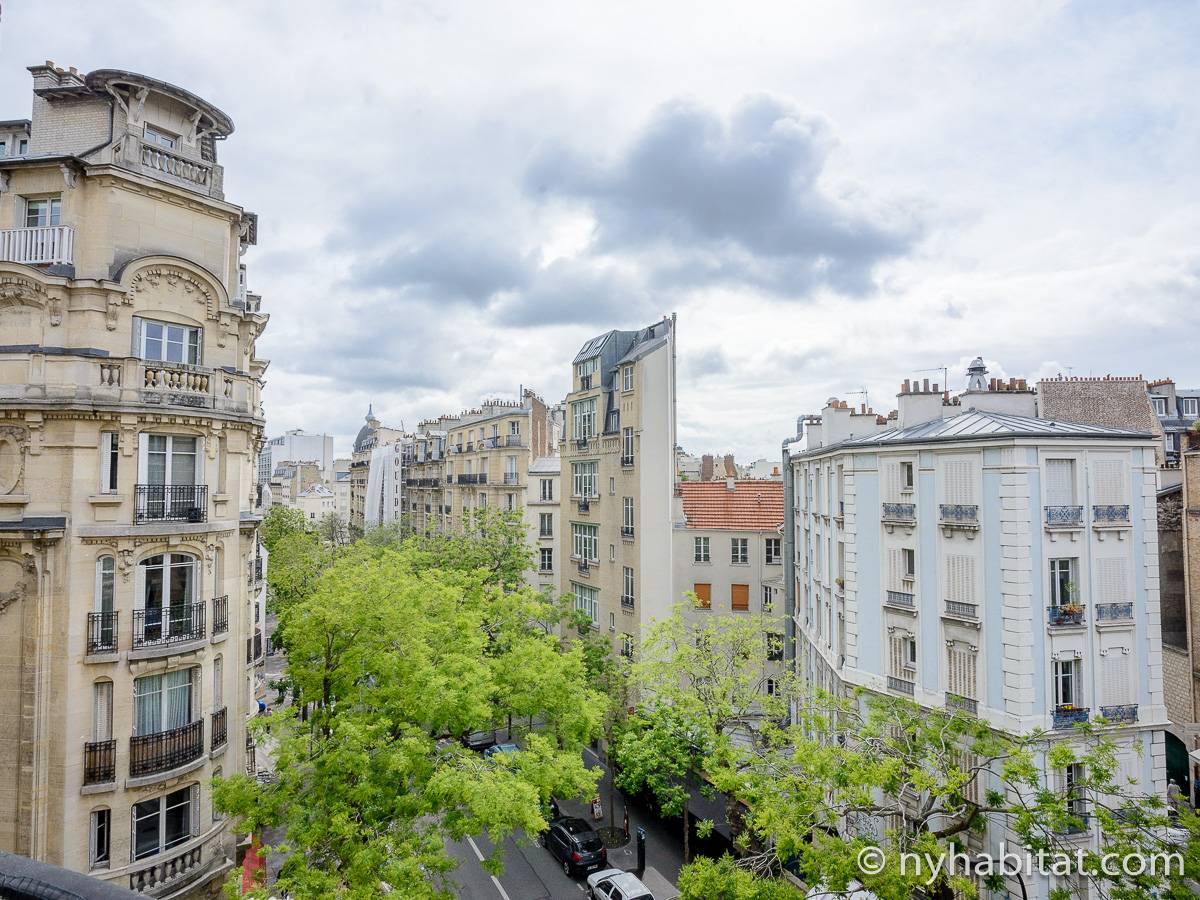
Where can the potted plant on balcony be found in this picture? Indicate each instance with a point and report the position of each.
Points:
(840, 582)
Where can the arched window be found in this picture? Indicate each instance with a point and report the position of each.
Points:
(102, 698)
(106, 571)
(169, 611)
(102, 623)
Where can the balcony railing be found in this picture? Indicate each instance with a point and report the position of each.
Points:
(1111, 514)
(903, 685)
(581, 443)
(1125, 713)
(470, 446)
(99, 762)
(900, 598)
(585, 503)
(626, 461)
(957, 701)
(257, 569)
(627, 602)
(220, 732)
(626, 531)
(1070, 716)
(163, 751)
(164, 872)
(159, 626)
(1064, 616)
(161, 160)
(102, 632)
(47, 245)
(1114, 612)
(585, 382)
(193, 384)
(959, 513)
(1064, 516)
(512, 478)
(220, 618)
(962, 610)
(170, 503)
(512, 440)
(584, 566)
(899, 512)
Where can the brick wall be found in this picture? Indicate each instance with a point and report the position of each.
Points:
(69, 127)
(1177, 686)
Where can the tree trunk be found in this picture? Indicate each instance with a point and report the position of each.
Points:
(687, 854)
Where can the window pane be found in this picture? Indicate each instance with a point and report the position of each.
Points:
(147, 701)
(177, 823)
(183, 460)
(145, 828)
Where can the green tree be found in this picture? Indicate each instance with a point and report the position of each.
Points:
(278, 523)
(487, 539)
(397, 652)
(333, 530)
(723, 879)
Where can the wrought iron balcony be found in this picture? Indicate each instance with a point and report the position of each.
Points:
(164, 626)
(163, 751)
(627, 461)
(584, 503)
(905, 513)
(959, 702)
(1114, 612)
(99, 762)
(959, 513)
(470, 446)
(1123, 714)
(1070, 716)
(512, 440)
(258, 569)
(220, 622)
(961, 610)
(102, 632)
(1064, 516)
(627, 602)
(46, 245)
(903, 685)
(512, 478)
(1064, 616)
(1111, 514)
(170, 503)
(581, 443)
(627, 531)
(220, 732)
(900, 598)
(584, 566)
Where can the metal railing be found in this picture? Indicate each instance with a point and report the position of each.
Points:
(581, 443)
(512, 440)
(899, 512)
(903, 685)
(170, 503)
(1070, 716)
(40, 246)
(958, 701)
(162, 626)
(959, 513)
(627, 602)
(220, 733)
(585, 503)
(1064, 516)
(163, 751)
(900, 598)
(512, 477)
(1114, 612)
(626, 531)
(220, 620)
(1064, 616)
(99, 762)
(584, 566)
(962, 610)
(1124, 713)
(1111, 514)
(626, 461)
(102, 632)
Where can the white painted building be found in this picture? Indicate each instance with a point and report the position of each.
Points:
(969, 557)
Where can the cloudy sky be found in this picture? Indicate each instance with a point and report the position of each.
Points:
(454, 196)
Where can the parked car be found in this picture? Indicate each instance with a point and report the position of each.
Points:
(615, 884)
(573, 843)
(497, 749)
(479, 740)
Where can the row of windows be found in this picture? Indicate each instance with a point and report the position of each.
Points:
(20, 149)
(739, 551)
(739, 596)
(587, 368)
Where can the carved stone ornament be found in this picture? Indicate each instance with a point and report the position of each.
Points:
(173, 278)
(13, 442)
(18, 291)
(125, 562)
(56, 311)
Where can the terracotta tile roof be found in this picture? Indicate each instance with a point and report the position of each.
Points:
(752, 506)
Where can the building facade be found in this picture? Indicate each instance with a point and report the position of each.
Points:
(966, 557)
(373, 434)
(130, 574)
(618, 480)
(1178, 409)
(298, 445)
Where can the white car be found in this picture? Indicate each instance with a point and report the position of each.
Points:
(615, 884)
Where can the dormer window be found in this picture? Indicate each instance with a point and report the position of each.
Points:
(165, 342)
(43, 212)
(161, 138)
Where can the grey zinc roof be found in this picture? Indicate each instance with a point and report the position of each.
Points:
(973, 425)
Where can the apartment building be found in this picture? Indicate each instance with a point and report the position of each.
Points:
(618, 479)
(372, 434)
(728, 550)
(543, 520)
(964, 553)
(291, 479)
(1178, 409)
(130, 573)
(385, 496)
(297, 445)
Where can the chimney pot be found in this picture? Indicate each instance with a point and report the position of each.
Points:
(925, 385)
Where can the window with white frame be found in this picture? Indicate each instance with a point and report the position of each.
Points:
(627, 646)
(612, 621)
(701, 549)
(482, 503)
(547, 493)
(587, 367)
(163, 702)
(167, 342)
(100, 838)
(627, 583)
(627, 443)
(1068, 687)
(627, 512)
(739, 551)
(43, 212)
(1189, 407)
(155, 135)
(909, 559)
(583, 479)
(165, 822)
(546, 525)
(774, 554)
(612, 486)
(218, 699)
(583, 419)
(585, 541)
(768, 598)
(514, 428)
(907, 479)
(771, 687)
(960, 662)
(627, 378)
(106, 569)
(1160, 405)
(546, 562)
(587, 600)
(1063, 589)
(110, 453)
(169, 587)
(510, 501)
(170, 459)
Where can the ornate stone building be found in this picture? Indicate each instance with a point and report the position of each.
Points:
(130, 425)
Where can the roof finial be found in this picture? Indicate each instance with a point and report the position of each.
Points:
(975, 372)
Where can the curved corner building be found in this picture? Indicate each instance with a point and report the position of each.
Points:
(130, 423)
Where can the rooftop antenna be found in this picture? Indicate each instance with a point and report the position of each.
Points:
(861, 393)
(945, 375)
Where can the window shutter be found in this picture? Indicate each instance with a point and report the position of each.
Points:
(960, 578)
(1060, 482)
(102, 711)
(1109, 475)
(897, 651)
(892, 470)
(961, 665)
(895, 568)
(1117, 683)
(1113, 586)
(959, 481)
(739, 596)
(704, 595)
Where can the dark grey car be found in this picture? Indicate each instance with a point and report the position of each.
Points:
(575, 844)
